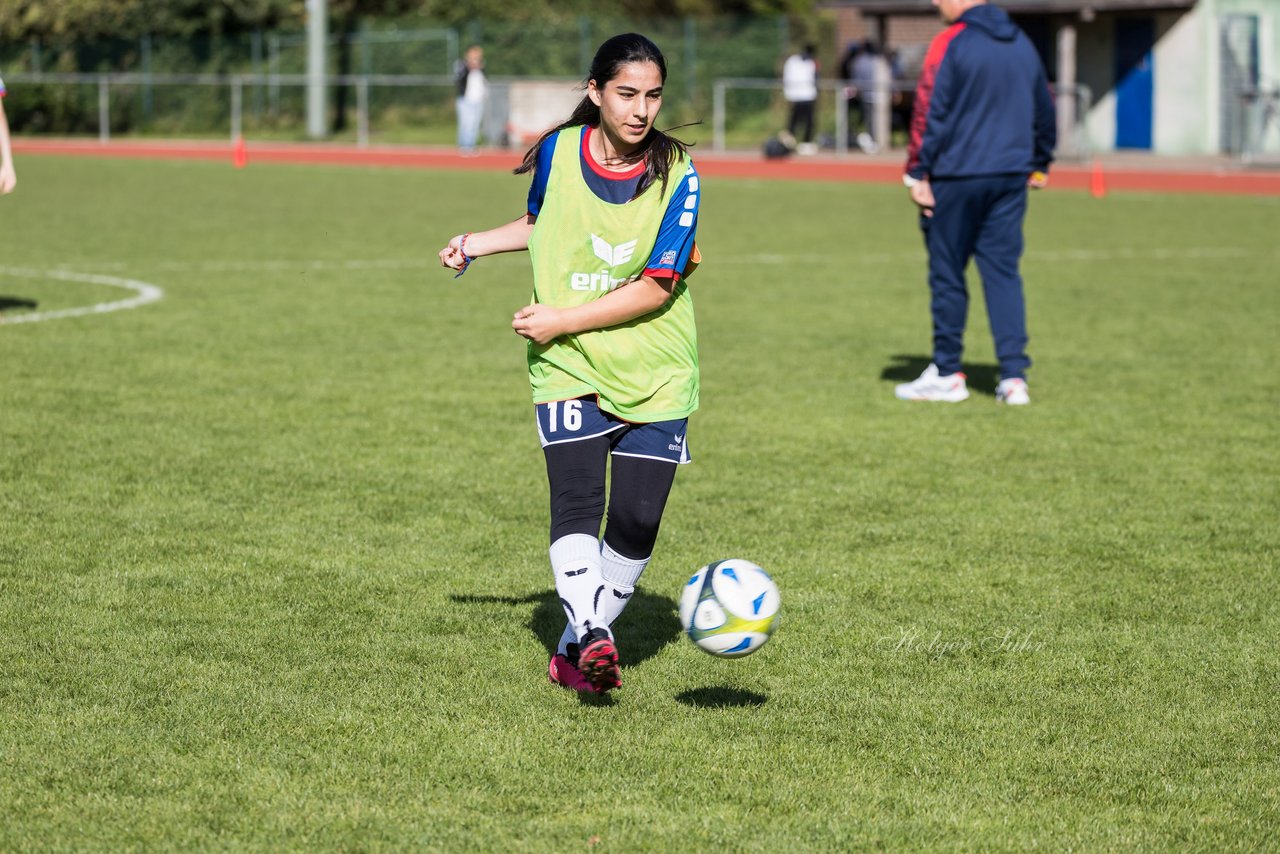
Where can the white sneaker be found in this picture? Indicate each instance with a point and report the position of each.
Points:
(930, 386)
(1013, 391)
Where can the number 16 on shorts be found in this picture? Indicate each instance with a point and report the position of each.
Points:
(572, 421)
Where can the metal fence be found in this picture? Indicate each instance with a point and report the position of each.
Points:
(846, 121)
(697, 50)
(1260, 131)
(745, 111)
(739, 102)
(272, 105)
(111, 89)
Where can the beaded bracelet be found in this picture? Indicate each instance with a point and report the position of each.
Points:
(466, 259)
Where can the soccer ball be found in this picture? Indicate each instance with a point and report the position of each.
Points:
(729, 608)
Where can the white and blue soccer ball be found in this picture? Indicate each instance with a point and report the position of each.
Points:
(730, 608)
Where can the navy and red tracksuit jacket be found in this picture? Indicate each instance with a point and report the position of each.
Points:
(983, 105)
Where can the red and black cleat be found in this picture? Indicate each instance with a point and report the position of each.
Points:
(598, 660)
(563, 671)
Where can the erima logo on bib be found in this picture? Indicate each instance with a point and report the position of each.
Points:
(613, 255)
(609, 254)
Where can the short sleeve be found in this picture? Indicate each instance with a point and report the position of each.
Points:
(541, 174)
(676, 234)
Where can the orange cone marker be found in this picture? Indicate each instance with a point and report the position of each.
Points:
(1097, 181)
(239, 155)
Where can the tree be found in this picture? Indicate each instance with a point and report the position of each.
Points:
(85, 20)
(81, 20)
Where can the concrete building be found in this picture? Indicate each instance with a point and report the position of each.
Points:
(1167, 76)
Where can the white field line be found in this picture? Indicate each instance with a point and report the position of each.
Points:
(145, 293)
(274, 265)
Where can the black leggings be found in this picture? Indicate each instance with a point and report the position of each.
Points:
(638, 493)
(801, 123)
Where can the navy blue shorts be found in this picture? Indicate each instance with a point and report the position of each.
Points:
(575, 420)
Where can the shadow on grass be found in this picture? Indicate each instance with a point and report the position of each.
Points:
(905, 368)
(718, 698)
(648, 624)
(16, 302)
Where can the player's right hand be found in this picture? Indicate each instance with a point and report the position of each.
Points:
(451, 256)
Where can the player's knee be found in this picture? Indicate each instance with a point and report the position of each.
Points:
(577, 509)
(633, 527)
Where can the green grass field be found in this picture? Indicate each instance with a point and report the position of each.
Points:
(273, 549)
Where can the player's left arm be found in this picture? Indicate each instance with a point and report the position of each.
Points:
(544, 323)
(674, 254)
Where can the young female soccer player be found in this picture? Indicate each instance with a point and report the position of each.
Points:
(612, 352)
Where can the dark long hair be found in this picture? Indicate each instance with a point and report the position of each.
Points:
(660, 149)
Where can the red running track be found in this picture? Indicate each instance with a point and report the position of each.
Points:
(1189, 179)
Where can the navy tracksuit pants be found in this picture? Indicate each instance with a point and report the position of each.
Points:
(978, 218)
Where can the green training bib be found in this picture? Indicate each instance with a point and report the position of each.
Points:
(582, 247)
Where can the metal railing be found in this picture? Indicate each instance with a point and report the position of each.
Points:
(1073, 104)
(235, 85)
(1073, 142)
(837, 92)
(1260, 109)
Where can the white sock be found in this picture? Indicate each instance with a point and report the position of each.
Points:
(620, 575)
(566, 637)
(575, 562)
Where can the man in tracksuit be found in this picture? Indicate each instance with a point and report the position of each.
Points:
(983, 130)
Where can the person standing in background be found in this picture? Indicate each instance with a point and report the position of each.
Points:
(473, 90)
(867, 75)
(800, 88)
(8, 177)
(852, 103)
(983, 130)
